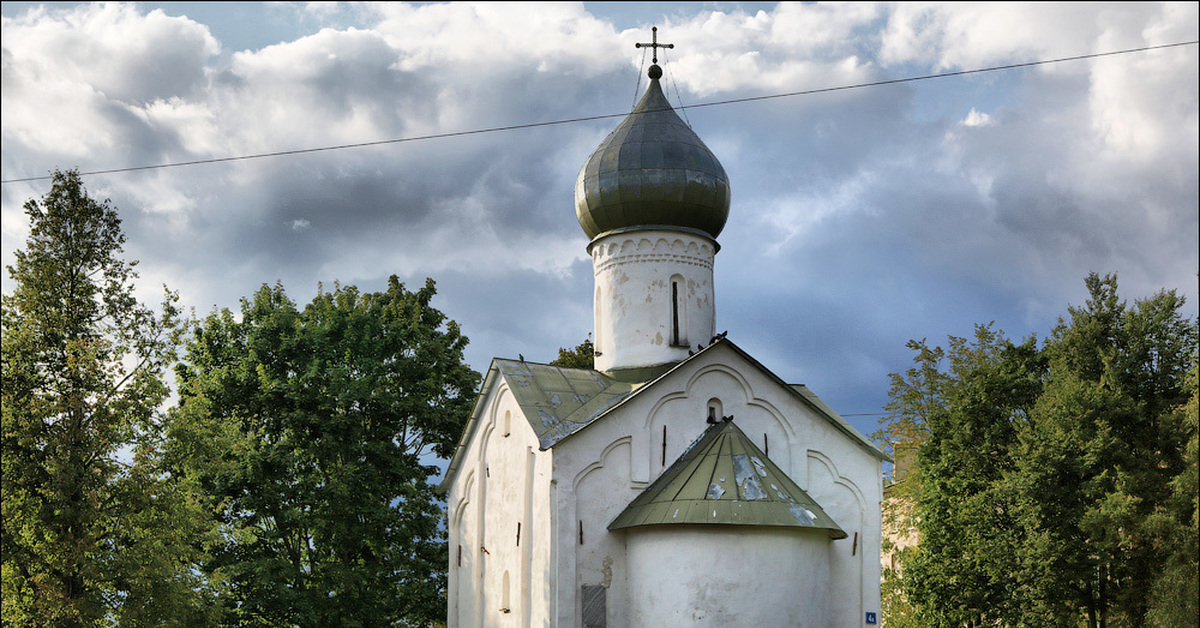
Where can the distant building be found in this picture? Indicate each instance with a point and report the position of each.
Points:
(681, 483)
(899, 507)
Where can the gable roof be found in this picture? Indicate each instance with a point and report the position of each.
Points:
(555, 400)
(724, 479)
(558, 401)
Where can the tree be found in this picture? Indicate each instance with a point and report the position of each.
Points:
(1175, 526)
(1054, 486)
(962, 571)
(92, 533)
(1099, 456)
(915, 396)
(313, 433)
(581, 357)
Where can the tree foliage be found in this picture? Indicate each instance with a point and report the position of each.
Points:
(93, 534)
(1099, 456)
(581, 357)
(963, 563)
(1052, 482)
(312, 431)
(1175, 530)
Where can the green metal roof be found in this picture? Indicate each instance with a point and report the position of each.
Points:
(559, 401)
(724, 479)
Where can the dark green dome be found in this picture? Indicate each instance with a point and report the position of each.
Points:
(652, 172)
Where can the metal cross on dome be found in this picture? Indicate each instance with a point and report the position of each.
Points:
(654, 44)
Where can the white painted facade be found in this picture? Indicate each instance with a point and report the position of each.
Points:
(794, 595)
(495, 578)
(654, 297)
(564, 497)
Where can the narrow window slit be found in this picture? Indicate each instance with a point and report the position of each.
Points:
(664, 447)
(675, 314)
(505, 605)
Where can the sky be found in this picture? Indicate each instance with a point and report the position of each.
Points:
(861, 218)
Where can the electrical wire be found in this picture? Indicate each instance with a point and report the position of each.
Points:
(637, 86)
(678, 96)
(533, 125)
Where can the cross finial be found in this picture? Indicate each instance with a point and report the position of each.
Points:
(654, 45)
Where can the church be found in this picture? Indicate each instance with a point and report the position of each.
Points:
(680, 482)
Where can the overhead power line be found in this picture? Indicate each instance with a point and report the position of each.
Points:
(532, 125)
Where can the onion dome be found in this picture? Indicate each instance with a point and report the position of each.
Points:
(652, 172)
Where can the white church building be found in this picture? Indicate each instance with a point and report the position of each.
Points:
(681, 482)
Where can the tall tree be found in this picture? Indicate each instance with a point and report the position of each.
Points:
(915, 396)
(313, 432)
(1099, 456)
(962, 572)
(1054, 486)
(1175, 528)
(92, 533)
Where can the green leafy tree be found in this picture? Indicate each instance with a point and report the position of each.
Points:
(915, 396)
(313, 433)
(962, 574)
(92, 533)
(1053, 486)
(1174, 601)
(1099, 457)
(581, 357)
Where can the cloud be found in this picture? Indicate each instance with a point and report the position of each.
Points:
(111, 48)
(793, 47)
(861, 218)
(965, 36)
(976, 118)
(469, 40)
(99, 79)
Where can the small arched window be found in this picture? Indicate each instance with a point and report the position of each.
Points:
(505, 606)
(507, 422)
(714, 410)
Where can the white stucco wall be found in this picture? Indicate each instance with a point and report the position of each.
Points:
(496, 579)
(728, 577)
(634, 272)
